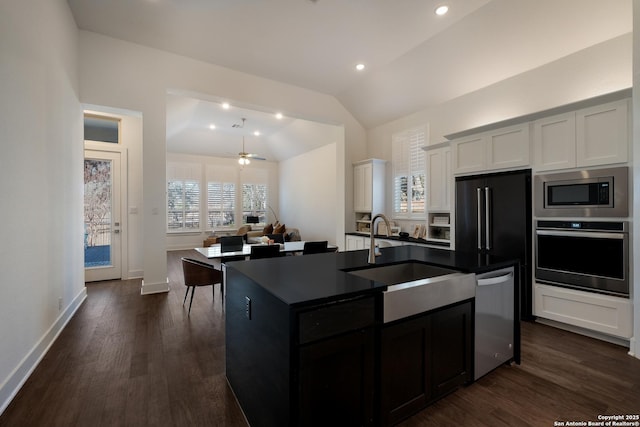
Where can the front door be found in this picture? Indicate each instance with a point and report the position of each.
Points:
(102, 241)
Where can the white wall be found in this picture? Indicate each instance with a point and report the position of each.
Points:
(308, 199)
(124, 75)
(41, 256)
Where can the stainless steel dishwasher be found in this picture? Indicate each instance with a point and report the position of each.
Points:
(494, 320)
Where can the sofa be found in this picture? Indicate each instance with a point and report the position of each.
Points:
(290, 234)
(255, 236)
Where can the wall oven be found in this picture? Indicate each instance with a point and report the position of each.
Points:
(586, 255)
(585, 193)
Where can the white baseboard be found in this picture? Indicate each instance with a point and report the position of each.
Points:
(634, 348)
(154, 288)
(135, 274)
(586, 332)
(28, 364)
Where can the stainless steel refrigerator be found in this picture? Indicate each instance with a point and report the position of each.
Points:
(493, 217)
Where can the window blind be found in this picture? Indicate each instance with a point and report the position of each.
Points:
(183, 197)
(221, 196)
(255, 193)
(409, 173)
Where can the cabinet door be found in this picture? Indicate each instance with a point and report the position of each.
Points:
(554, 142)
(451, 348)
(404, 364)
(438, 179)
(447, 179)
(602, 134)
(337, 381)
(354, 243)
(363, 187)
(469, 154)
(508, 147)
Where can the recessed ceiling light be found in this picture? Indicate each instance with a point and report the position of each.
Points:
(279, 116)
(212, 126)
(226, 105)
(360, 67)
(257, 133)
(442, 10)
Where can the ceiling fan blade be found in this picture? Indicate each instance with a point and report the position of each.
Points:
(255, 156)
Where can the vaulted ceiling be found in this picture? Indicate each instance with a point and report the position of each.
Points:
(414, 59)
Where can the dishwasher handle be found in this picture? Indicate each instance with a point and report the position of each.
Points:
(495, 280)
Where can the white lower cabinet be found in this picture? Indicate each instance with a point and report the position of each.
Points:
(601, 313)
(354, 243)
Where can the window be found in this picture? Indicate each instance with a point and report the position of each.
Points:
(409, 174)
(254, 201)
(183, 208)
(183, 197)
(255, 192)
(100, 128)
(221, 204)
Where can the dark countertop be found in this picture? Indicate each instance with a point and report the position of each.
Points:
(401, 239)
(306, 279)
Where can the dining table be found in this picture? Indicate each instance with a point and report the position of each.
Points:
(214, 251)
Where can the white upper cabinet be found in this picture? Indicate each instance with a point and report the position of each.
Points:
(363, 189)
(508, 148)
(554, 142)
(369, 186)
(589, 137)
(602, 134)
(469, 154)
(504, 148)
(439, 179)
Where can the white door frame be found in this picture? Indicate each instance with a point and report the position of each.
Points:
(123, 209)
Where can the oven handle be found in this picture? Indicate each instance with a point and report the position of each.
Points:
(587, 234)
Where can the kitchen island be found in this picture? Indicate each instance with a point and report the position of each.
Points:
(306, 343)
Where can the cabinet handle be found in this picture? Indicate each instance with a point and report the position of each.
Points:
(495, 280)
(478, 190)
(487, 217)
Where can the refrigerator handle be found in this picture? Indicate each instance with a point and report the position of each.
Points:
(487, 217)
(478, 190)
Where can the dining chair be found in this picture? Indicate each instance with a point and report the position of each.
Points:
(198, 273)
(265, 251)
(314, 247)
(232, 244)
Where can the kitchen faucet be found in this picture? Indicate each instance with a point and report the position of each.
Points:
(373, 253)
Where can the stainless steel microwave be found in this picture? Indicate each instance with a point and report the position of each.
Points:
(585, 193)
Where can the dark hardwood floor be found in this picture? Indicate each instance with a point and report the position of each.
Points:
(132, 360)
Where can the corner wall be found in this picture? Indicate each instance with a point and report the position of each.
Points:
(41, 256)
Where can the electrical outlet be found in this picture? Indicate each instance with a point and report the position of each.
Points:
(59, 304)
(247, 307)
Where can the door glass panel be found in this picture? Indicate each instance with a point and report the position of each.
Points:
(97, 212)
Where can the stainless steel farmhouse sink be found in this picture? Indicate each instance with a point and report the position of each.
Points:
(400, 273)
(415, 287)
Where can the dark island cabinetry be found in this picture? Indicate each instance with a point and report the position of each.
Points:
(311, 343)
(336, 364)
(424, 358)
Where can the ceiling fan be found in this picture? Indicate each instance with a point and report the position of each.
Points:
(245, 157)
